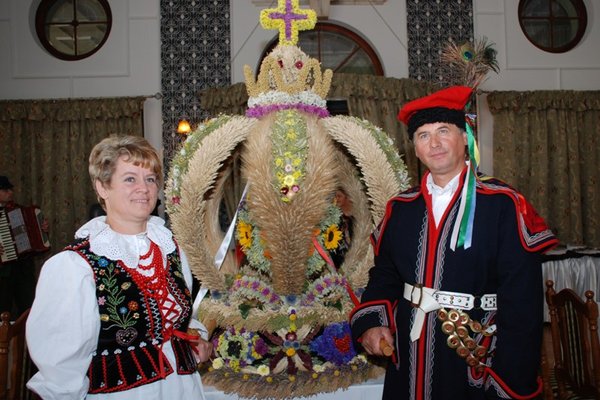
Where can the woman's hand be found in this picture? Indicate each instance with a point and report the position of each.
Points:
(203, 349)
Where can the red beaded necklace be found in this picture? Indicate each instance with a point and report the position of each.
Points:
(151, 253)
(155, 284)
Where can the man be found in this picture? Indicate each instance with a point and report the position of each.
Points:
(456, 288)
(17, 278)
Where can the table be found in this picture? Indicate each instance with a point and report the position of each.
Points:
(574, 268)
(369, 390)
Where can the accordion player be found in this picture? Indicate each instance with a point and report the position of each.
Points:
(21, 232)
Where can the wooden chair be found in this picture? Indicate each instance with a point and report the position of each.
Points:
(575, 343)
(548, 393)
(13, 356)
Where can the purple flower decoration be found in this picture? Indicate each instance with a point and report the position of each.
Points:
(259, 111)
(335, 344)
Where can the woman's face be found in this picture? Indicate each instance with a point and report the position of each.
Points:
(130, 198)
(340, 198)
(343, 201)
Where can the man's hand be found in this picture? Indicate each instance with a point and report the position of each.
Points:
(375, 339)
(44, 227)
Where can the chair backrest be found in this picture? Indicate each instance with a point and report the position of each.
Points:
(12, 356)
(575, 343)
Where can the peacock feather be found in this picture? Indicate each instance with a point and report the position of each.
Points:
(471, 62)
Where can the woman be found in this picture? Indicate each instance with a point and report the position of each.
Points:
(343, 201)
(112, 311)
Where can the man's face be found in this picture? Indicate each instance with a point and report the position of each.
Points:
(441, 147)
(6, 196)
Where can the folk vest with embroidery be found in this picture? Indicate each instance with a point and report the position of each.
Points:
(131, 327)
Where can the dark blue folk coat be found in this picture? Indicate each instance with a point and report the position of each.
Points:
(504, 259)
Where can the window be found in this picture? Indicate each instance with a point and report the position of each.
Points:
(73, 29)
(555, 26)
(337, 48)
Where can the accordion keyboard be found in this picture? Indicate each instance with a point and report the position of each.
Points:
(6, 240)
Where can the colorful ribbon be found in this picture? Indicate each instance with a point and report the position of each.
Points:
(462, 233)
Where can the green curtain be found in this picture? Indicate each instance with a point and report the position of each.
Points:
(547, 145)
(374, 98)
(45, 145)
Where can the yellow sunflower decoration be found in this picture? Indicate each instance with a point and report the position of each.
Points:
(244, 235)
(332, 237)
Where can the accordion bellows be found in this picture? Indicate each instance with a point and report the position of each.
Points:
(21, 232)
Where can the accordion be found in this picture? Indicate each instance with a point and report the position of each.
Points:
(21, 232)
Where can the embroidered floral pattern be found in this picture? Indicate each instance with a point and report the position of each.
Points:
(135, 323)
(114, 298)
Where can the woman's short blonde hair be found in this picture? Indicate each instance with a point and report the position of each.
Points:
(134, 149)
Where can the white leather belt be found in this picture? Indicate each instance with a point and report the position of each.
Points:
(426, 299)
(464, 301)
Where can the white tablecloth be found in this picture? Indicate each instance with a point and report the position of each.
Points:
(369, 390)
(580, 272)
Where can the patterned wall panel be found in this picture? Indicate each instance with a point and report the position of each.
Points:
(431, 24)
(195, 54)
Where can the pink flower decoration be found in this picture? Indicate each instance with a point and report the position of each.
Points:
(259, 111)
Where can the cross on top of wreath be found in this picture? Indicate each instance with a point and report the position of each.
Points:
(289, 19)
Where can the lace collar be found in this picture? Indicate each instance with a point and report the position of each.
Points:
(116, 246)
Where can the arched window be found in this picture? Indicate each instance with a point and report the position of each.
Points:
(337, 48)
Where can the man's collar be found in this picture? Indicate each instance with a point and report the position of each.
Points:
(449, 188)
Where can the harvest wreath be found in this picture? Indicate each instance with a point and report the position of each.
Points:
(280, 308)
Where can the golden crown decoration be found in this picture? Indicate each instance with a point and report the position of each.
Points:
(288, 78)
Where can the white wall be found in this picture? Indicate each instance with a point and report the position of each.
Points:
(129, 62)
(127, 65)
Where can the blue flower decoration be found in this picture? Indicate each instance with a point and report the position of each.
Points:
(123, 310)
(103, 262)
(335, 344)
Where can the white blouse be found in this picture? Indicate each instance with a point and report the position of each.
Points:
(64, 324)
